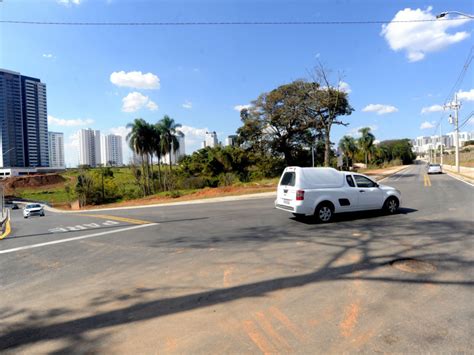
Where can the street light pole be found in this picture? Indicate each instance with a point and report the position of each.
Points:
(441, 145)
(444, 13)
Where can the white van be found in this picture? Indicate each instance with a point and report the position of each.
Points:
(322, 192)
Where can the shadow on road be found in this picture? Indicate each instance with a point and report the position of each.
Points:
(408, 239)
(352, 216)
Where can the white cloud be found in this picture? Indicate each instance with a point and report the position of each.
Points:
(135, 79)
(187, 105)
(434, 108)
(53, 121)
(69, 2)
(345, 87)
(354, 132)
(193, 137)
(48, 56)
(466, 95)
(427, 125)
(241, 107)
(134, 101)
(380, 109)
(419, 38)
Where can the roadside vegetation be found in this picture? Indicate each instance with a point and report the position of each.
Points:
(290, 125)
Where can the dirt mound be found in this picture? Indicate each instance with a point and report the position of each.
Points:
(32, 181)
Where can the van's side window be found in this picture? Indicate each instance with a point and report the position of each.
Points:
(350, 180)
(288, 179)
(362, 181)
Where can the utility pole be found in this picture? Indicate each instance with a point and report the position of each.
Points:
(455, 106)
(441, 145)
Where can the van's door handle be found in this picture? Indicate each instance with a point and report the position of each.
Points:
(361, 191)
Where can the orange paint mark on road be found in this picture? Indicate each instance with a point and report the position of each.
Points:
(227, 276)
(258, 339)
(350, 319)
(270, 331)
(171, 344)
(294, 329)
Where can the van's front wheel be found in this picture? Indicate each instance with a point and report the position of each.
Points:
(324, 213)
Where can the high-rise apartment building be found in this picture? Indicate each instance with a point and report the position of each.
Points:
(176, 154)
(35, 122)
(89, 147)
(56, 149)
(23, 121)
(211, 140)
(111, 150)
(231, 140)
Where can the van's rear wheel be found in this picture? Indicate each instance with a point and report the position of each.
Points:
(324, 213)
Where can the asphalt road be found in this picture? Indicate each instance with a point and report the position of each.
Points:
(242, 277)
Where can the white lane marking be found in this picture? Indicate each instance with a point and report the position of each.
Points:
(75, 238)
(80, 227)
(455, 177)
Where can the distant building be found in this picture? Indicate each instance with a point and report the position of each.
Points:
(176, 155)
(56, 149)
(231, 141)
(89, 147)
(423, 144)
(111, 150)
(23, 121)
(211, 139)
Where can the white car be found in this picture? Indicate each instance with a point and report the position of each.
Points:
(33, 209)
(322, 192)
(434, 169)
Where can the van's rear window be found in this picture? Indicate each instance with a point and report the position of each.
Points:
(288, 179)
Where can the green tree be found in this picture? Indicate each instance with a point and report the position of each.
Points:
(140, 140)
(366, 141)
(328, 102)
(348, 146)
(287, 120)
(169, 134)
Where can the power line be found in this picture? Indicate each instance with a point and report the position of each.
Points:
(224, 23)
(466, 120)
(457, 83)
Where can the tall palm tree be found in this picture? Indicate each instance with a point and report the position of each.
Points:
(169, 136)
(349, 147)
(366, 141)
(140, 141)
(156, 147)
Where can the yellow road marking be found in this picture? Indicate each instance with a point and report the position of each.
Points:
(427, 181)
(7, 230)
(116, 218)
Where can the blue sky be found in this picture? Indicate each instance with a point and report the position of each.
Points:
(198, 75)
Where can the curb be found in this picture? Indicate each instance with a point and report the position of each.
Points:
(460, 178)
(168, 204)
(7, 230)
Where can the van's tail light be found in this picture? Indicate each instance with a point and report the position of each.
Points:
(299, 195)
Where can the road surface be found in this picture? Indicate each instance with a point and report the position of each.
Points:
(242, 277)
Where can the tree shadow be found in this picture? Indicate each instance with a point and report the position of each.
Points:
(372, 248)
